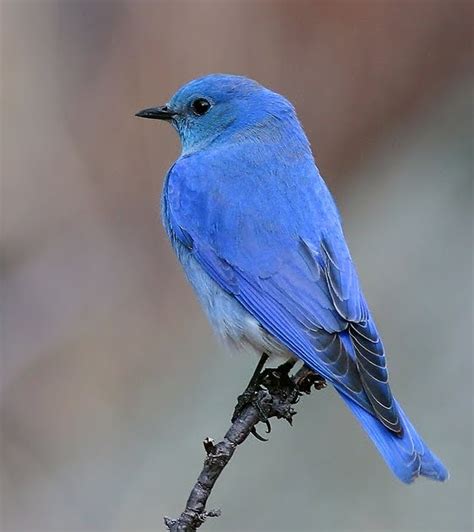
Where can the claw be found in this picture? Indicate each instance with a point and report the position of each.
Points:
(257, 435)
(310, 379)
(320, 384)
(268, 427)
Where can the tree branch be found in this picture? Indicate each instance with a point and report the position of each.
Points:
(271, 393)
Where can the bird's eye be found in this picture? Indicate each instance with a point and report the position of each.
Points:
(200, 106)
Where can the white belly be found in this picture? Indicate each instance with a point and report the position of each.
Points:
(231, 322)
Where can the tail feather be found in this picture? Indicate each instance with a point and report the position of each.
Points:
(408, 457)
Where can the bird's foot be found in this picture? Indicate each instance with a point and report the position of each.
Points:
(308, 379)
(272, 380)
(254, 395)
(251, 395)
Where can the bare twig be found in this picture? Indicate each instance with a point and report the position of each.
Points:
(272, 394)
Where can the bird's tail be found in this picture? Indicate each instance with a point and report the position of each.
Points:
(408, 457)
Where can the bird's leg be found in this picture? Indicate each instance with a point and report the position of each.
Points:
(257, 374)
(250, 392)
(279, 376)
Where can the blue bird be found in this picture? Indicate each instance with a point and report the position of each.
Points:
(260, 239)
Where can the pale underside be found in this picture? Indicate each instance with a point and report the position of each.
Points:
(234, 326)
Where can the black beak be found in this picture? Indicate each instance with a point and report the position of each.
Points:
(157, 113)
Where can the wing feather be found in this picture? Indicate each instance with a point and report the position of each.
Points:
(299, 282)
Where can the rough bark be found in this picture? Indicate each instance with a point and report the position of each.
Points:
(270, 394)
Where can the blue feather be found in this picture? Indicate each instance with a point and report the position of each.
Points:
(408, 457)
(260, 239)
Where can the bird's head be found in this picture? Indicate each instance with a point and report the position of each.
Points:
(222, 107)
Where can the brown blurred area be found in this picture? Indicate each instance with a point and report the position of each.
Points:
(109, 374)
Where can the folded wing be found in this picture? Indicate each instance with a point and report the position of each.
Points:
(297, 280)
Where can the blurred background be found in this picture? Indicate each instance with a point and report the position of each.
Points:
(110, 375)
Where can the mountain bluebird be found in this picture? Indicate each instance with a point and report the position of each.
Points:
(260, 240)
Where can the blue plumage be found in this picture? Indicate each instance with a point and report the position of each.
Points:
(260, 239)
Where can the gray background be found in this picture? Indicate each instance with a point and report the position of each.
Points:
(110, 376)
